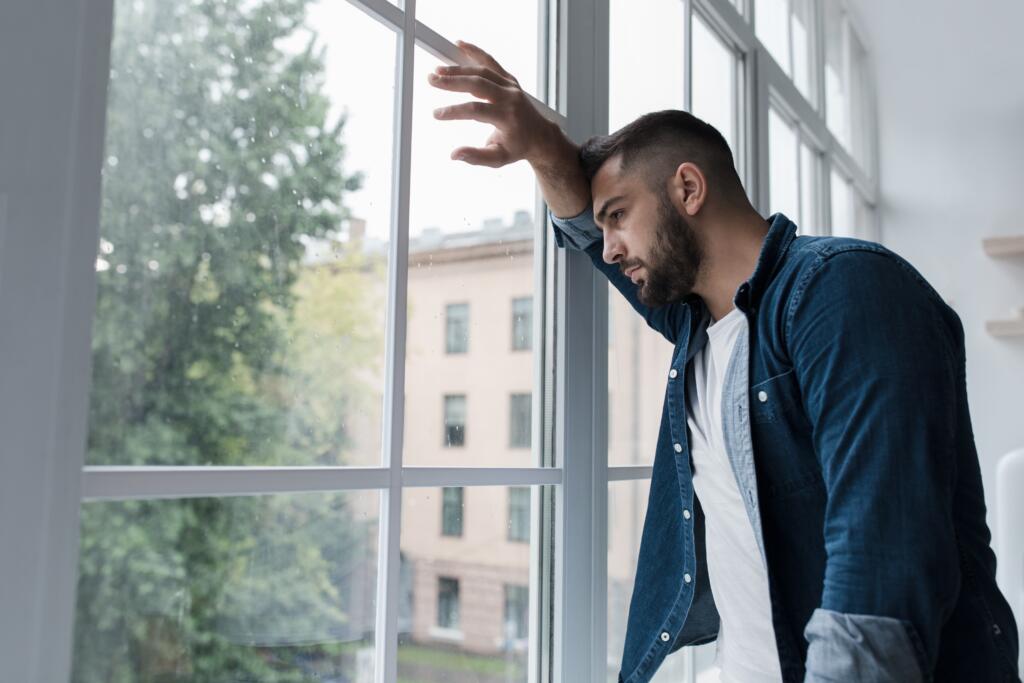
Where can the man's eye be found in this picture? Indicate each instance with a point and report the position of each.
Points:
(617, 214)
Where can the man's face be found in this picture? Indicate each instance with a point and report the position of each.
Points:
(645, 234)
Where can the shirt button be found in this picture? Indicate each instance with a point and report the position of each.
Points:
(673, 373)
(665, 636)
(678, 447)
(686, 578)
(762, 396)
(686, 514)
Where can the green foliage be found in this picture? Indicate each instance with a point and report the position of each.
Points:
(214, 345)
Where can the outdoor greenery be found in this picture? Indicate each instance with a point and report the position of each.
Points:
(214, 344)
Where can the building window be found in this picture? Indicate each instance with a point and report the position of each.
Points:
(517, 611)
(522, 324)
(454, 420)
(519, 513)
(519, 420)
(456, 328)
(448, 602)
(451, 511)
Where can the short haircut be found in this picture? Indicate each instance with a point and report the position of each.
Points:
(657, 143)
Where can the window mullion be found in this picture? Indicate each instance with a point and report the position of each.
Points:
(390, 524)
(582, 363)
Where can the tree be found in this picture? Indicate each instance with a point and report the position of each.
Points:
(219, 158)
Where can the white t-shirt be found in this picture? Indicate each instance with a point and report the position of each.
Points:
(746, 649)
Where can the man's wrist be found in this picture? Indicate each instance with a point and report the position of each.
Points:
(554, 150)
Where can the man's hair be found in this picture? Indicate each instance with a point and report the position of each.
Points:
(657, 143)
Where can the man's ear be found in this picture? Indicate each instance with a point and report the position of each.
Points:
(688, 188)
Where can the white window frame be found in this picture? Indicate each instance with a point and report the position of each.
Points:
(44, 396)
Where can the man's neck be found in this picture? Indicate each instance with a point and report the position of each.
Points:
(732, 246)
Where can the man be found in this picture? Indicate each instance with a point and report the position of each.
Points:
(816, 504)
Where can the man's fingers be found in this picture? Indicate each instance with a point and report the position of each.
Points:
(491, 155)
(481, 57)
(479, 86)
(481, 71)
(474, 111)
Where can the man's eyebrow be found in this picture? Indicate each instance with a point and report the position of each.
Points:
(604, 208)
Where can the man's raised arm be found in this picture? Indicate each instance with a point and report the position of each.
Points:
(521, 133)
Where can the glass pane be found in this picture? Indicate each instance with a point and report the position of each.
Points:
(522, 324)
(714, 81)
(506, 30)
(471, 244)
(633, 87)
(520, 410)
(451, 511)
(772, 22)
(638, 357)
(861, 120)
(242, 263)
(454, 420)
(466, 600)
(456, 328)
(801, 23)
(809, 200)
(264, 588)
(837, 103)
(782, 158)
(627, 505)
(638, 364)
(864, 218)
(842, 207)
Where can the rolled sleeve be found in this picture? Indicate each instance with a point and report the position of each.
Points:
(578, 232)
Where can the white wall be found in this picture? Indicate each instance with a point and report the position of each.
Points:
(951, 149)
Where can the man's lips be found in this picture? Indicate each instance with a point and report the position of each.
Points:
(631, 272)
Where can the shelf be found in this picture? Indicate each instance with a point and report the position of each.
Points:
(1011, 245)
(1012, 327)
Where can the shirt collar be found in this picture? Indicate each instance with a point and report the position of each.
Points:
(781, 233)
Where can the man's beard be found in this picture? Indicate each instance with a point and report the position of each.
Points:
(675, 259)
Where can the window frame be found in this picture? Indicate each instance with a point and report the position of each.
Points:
(570, 446)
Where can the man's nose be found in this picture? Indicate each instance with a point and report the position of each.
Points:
(612, 248)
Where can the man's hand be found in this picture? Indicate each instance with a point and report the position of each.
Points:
(520, 131)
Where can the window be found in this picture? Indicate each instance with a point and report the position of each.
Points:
(448, 603)
(452, 511)
(456, 328)
(522, 324)
(784, 171)
(636, 353)
(477, 568)
(810, 200)
(520, 409)
(662, 24)
(792, 174)
(454, 421)
(716, 83)
(784, 27)
(519, 513)
(848, 100)
(842, 207)
(271, 283)
(517, 612)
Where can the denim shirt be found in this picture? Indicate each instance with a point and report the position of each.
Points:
(847, 426)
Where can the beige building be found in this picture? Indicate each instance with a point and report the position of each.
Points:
(469, 389)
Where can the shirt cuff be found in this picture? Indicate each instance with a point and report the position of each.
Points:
(578, 232)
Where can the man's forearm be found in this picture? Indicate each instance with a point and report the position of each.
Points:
(560, 176)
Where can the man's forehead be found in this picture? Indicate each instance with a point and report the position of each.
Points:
(610, 181)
